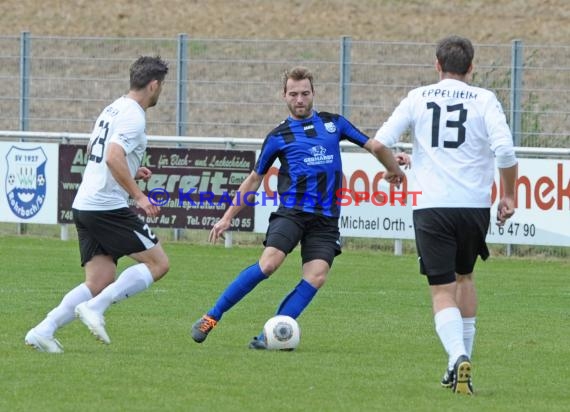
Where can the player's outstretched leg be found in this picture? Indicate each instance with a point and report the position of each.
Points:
(202, 327)
(244, 283)
(41, 337)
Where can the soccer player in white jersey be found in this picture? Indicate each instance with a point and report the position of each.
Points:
(459, 132)
(107, 229)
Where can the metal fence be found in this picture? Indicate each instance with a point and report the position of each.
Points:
(231, 88)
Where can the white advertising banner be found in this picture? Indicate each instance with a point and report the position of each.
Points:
(28, 182)
(372, 208)
(542, 215)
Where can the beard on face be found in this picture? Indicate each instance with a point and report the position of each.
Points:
(301, 112)
(153, 100)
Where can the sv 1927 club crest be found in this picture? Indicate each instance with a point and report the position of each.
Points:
(26, 180)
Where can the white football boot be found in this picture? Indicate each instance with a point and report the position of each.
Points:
(94, 321)
(43, 343)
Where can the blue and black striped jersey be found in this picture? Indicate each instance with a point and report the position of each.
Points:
(311, 167)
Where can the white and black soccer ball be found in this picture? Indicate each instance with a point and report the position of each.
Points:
(282, 333)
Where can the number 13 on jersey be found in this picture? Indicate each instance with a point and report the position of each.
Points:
(457, 124)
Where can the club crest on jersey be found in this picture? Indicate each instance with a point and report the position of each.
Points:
(318, 150)
(330, 126)
(318, 156)
(26, 181)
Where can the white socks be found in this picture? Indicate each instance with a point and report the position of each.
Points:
(449, 327)
(469, 334)
(133, 280)
(65, 312)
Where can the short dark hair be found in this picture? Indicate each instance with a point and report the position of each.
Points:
(146, 69)
(455, 54)
(297, 73)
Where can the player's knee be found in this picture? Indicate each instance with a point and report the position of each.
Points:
(270, 260)
(95, 286)
(317, 280)
(164, 266)
(159, 267)
(269, 266)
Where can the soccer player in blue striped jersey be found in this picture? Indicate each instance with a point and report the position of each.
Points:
(307, 145)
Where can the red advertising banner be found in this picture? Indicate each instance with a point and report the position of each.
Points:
(193, 187)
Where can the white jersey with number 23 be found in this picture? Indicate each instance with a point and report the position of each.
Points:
(122, 122)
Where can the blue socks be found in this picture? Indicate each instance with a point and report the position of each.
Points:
(297, 300)
(244, 283)
(293, 304)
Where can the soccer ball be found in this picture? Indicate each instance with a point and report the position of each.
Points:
(281, 333)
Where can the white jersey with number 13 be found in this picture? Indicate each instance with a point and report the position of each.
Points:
(457, 129)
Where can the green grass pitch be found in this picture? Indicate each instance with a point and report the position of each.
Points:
(367, 340)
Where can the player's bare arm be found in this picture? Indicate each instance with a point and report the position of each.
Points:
(506, 206)
(394, 175)
(117, 162)
(403, 159)
(250, 184)
(143, 173)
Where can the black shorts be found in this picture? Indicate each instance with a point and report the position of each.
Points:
(319, 235)
(116, 233)
(448, 240)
